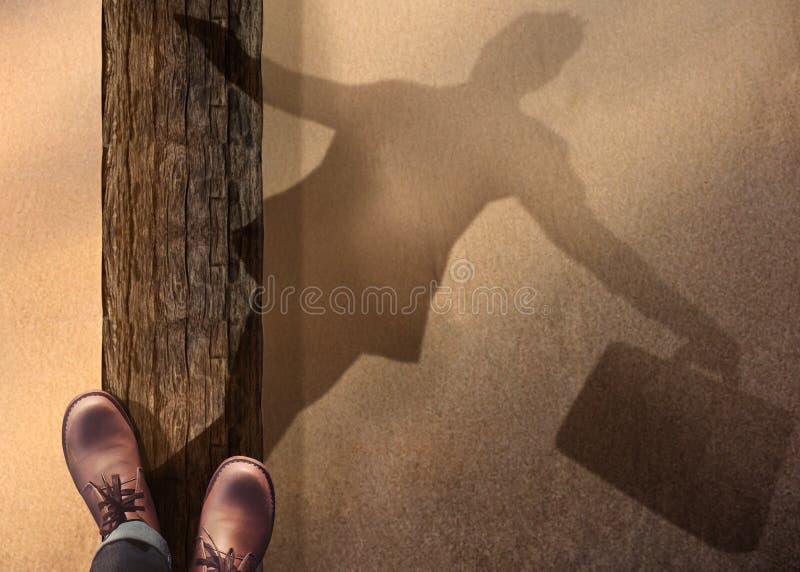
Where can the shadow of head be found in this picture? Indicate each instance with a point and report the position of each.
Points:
(528, 53)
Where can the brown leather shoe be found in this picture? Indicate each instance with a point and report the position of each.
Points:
(236, 522)
(103, 458)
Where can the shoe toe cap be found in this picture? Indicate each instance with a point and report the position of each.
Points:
(94, 424)
(239, 507)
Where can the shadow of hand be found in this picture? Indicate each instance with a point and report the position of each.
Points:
(225, 51)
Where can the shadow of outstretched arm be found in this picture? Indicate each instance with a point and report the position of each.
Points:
(324, 101)
(572, 226)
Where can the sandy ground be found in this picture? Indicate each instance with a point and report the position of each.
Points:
(50, 311)
(647, 191)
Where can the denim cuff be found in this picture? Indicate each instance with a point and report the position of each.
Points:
(140, 532)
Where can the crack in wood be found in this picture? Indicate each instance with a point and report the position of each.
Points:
(182, 232)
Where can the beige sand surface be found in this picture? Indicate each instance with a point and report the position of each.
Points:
(50, 312)
(437, 450)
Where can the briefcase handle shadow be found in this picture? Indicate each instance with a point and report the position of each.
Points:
(696, 451)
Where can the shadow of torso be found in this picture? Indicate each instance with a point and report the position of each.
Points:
(401, 181)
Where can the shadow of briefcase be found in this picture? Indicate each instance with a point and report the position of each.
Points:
(697, 452)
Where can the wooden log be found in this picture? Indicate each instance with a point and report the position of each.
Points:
(182, 242)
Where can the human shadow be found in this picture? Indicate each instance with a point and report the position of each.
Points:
(409, 168)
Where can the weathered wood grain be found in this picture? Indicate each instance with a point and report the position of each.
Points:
(182, 241)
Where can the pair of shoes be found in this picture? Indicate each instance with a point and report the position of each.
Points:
(103, 458)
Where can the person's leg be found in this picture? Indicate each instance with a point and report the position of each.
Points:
(237, 518)
(133, 547)
(103, 458)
